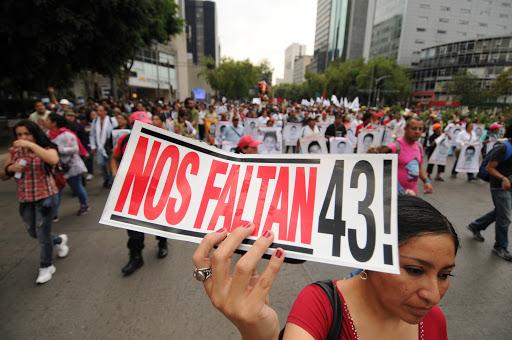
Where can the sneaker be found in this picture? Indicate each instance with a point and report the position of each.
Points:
(45, 274)
(440, 179)
(503, 253)
(56, 219)
(476, 233)
(83, 210)
(62, 247)
(89, 177)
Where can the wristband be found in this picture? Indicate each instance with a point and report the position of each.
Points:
(428, 181)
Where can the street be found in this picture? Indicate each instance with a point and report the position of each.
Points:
(88, 298)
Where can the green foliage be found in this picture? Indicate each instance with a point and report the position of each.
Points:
(466, 87)
(233, 78)
(47, 42)
(502, 86)
(353, 78)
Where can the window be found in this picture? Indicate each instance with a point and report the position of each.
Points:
(465, 10)
(444, 20)
(424, 6)
(503, 15)
(482, 24)
(505, 4)
(419, 41)
(462, 34)
(441, 32)
(445, 8)
(419, 29)
(463, 22)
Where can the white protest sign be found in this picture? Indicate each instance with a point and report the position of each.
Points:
(440, 154)
(251, 127)
(368, 138)
(271, 140)
(340, 145)
(221, 126)
(387, 135)
(291, 133)
(337, 209)
(469, 158)
(314, 144)
(228, 146)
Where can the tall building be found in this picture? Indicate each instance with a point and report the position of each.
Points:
(341, 28)
(293, 51)
(299, 68)
(201, 24)
(402, 28)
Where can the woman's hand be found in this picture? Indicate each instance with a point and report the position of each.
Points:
(242, 296)
(21, 143)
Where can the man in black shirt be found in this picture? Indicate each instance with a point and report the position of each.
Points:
(500, 171)
(336, 129)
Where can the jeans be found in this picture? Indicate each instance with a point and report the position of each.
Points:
(136, 242)
(104, 164)
(503, 209)
(38, 220)
(484, 221)
(77, 186)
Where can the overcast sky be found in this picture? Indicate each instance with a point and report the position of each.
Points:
(262, 29)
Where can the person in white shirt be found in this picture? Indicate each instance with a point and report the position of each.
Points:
(100, 135)
(466, 136)
(234, 132)
(39, 115)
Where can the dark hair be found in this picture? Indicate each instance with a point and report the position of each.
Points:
(40, 137)
(508, 132)
(471, 147)
(271, 134)
(368, 135)
(58, 119)
(313, 143)
(417, 217)
(411, 118)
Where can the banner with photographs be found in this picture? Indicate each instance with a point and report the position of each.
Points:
(315, 144)
(340, 145)
(291, 133)
(469, 158)
(440, 154)
(210, 130)
(368, 138)
(251, 127)
(228, 146)
(271, 140)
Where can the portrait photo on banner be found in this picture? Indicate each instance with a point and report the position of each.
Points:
(368, 138)
(479, 130)
(117, 133)
(469, 158)
(291, 133)
(271, 140)
(228, 146)
(316, 144)
(387, 135)
(251, 127)
(440, 153)
(340, 145)
(210, 130)
(221, 126)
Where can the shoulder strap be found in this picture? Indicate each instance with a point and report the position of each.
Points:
(332, 294)
(508, 151)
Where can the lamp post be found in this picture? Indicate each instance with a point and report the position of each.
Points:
(377, 81)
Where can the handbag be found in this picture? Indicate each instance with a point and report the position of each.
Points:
(58, 175)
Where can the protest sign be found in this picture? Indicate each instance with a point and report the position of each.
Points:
(340, 145)
(210, 130)
(272, 140)
(368, 138)
(469, 158)
(315, 144)
(251, 127)
(228, 146)
(291, 133)
(337, 209)
(440, 154)
(387, 135)
(221, 126)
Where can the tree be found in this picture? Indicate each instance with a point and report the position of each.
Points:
(48, 42)
(466, 87)
(384, 81)
(502, 86)
(341, 78)
(233, 78)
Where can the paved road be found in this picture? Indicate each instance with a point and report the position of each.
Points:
(89, 299)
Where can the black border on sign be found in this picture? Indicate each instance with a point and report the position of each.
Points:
(198, 234)
(226, 157)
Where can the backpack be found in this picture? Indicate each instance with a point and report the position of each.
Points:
(482, 171)
(330, 290)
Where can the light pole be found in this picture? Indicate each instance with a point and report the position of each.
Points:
(377, 81)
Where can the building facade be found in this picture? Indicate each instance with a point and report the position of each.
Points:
(341, 28)
(402, 28)
(201, 28)
(293, 51)
(299, 68)
(485, 58)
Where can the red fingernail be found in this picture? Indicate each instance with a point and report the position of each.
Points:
(248, 225)
(221, 230)
(267, 234)
(279, 253)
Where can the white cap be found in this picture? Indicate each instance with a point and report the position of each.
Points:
(64, 102)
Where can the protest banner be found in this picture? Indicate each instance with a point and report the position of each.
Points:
(251, 127)
(368, 138)
(315, 144)
(340, 145)
(337, 209)
(440, 154)
(291, 133)
(271, 140)
(210, 130)
(221, 126)
(228, 146)
(469, 158)
(387, 135)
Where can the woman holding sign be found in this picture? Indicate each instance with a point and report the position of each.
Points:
(374, 305)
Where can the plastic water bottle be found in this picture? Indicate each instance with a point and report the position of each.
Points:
(21, 162)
